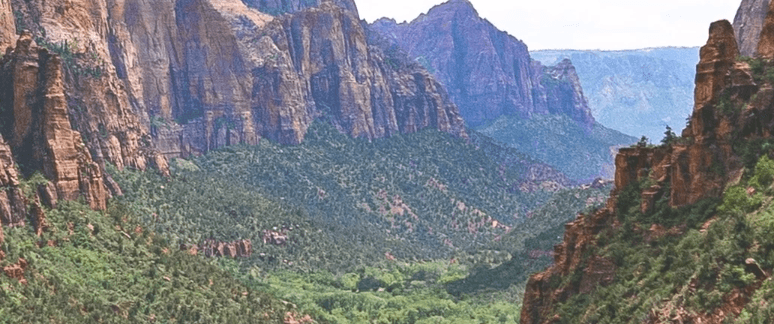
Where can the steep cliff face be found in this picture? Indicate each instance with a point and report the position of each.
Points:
(7, 26)
(487, 72)
(129, 82)
(204, 74)
(36, 123)
(559, 91)
(729, 106)
(95, 97)
(748, 23)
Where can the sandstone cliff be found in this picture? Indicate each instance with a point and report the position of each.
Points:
(201, 74)
(748, 23)
(729, 105)
(130, 82)
(36, 124)
(487, 72)
(7, 25)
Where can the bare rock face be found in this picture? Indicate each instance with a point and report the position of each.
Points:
(37, 125)
(766, 42)
(748, 24)
(559, 92)
(95, 97)
(131, 82)
(13, 204)
(7, 25)
(717, 57)
(487, 72)
(235, 249)
(227, 74)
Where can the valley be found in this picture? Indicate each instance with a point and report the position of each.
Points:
(239, 161)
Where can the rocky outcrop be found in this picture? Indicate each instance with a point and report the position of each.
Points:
(748, 24)
(13, 204)
(7, 26)
(696, 167)
(766, 44)
(487, 72)
(540, 296)
(16, 270)
(236, 249)
(37, 125)
(559, 92)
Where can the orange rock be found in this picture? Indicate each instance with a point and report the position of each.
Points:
(16, 270)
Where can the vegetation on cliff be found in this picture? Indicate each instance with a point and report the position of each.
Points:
(686, 235)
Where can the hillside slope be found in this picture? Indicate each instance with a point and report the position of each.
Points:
(424, 196)
(582, 154)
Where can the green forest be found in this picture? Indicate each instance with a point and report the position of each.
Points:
(420, 228)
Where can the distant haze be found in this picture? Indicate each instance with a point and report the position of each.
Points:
(586, 24)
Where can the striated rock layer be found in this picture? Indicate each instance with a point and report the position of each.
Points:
(36, 124)
(201, 74)
(697, 167)
(487, 72)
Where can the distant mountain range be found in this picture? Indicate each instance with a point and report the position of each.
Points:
(490, 75)
(638, 92)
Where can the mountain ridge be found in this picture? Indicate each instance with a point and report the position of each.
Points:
(637, 92)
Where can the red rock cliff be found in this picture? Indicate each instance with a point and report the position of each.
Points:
(696, 167)
(129, 82)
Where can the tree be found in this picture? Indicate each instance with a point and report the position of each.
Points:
(669, 136)
(643, 141)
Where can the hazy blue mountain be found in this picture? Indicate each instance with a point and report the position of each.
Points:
(637, 92)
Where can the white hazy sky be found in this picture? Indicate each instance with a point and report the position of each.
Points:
(582, 24)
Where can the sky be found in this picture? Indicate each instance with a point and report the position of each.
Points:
(582, 24)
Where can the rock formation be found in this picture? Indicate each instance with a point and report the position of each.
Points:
(131, 82)
(7, 25)
(38, 129)
(212, 248)
(766, 44)
(748, 23)
(13, 204)
(559, 92)
(487, 72)
(699, 166)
